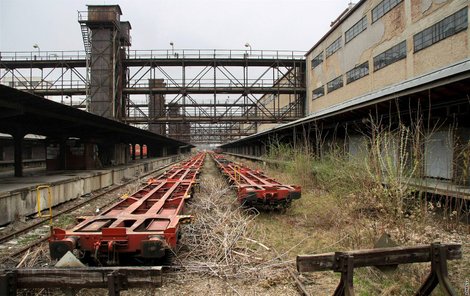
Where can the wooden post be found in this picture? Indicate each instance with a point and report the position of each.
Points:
(345, 262)
(115, 279)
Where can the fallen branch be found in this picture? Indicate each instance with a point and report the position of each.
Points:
(23, 259)
(257, 242)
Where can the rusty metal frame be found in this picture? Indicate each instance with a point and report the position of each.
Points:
(254, 188)
(145, 224)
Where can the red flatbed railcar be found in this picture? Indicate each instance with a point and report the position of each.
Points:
(254, 188)
(143, 226)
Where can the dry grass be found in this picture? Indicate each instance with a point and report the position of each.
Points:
(218, 241)
(344, 206)
(222, 245)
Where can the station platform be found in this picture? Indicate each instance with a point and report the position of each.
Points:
(18, 196)
(444, 188)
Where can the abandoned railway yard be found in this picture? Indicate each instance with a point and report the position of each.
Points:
(230, 249)
(342, 169)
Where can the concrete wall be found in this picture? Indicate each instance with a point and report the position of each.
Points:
(22, 200)
(399, 24)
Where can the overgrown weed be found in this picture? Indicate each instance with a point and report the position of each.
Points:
(349, 201)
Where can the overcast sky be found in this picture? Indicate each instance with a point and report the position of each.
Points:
(197, 24)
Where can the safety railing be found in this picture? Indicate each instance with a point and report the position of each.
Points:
(47, 85)
(144, 83)
(204, 83)
(216, 54)
(110, 14)
(40, 55)
(39, 197)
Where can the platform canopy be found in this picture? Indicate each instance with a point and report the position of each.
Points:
(24, 113)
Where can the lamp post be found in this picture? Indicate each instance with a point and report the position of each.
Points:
(248, 45)
(172, 47)
(39, 50)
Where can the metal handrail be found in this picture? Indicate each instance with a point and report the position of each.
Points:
(158, 54)
(210, 83)
(83, 15)
(215, 54)
(45, 84)
(42, 55)
(141, 83)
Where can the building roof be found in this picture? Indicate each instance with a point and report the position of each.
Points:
(106, 6)
(32, 114)
(342, 18)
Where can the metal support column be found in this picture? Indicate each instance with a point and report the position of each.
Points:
(18, 143)
(133, 151)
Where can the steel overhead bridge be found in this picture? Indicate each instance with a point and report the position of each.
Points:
(53, 82)
(75, 90)
(181, 119)
(256, 79)
(138, 58)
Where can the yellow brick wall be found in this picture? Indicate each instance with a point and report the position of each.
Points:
(401, 23)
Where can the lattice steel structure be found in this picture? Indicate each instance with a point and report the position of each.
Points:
(199, 96)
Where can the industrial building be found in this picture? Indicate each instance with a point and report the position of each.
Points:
(385, 64)
(372, 123)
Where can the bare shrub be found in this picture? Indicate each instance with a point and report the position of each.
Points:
(219, 241)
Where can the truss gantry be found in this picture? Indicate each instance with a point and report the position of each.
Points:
(221, 94)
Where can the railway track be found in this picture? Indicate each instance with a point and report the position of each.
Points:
(103, 277)
(16, 243)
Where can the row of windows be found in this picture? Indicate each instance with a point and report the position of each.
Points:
(447, 27)
(390, 56)
(454, 23)
(383, 7)
(357, 72)
(318, 92)
(355, 30)
(382, 60)
(335, 84)
(352, 75)
(317, 60)
(333, 47)
(377, 12)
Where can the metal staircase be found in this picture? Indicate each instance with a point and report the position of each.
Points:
(86, 34)
(86, 37)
